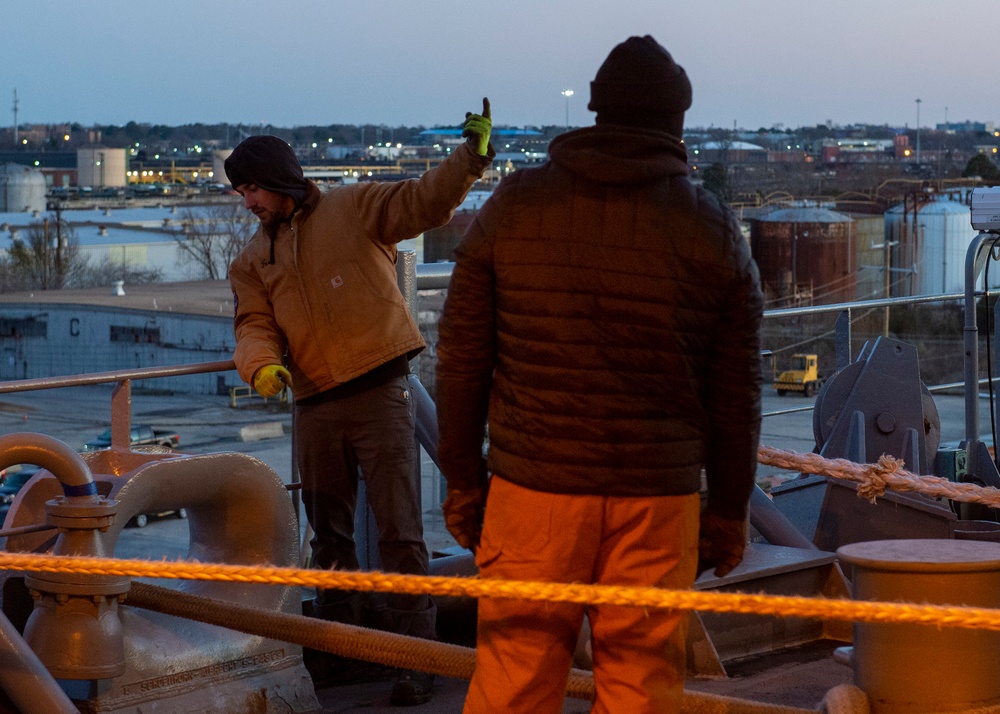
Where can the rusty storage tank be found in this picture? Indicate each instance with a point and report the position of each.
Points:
(929, 246)
(22, 189)
(440, 243)
(806, 256)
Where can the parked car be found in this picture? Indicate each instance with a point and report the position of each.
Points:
(142, 519)
(141, 435)
(12, 479)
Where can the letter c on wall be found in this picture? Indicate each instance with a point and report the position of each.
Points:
(74, 327)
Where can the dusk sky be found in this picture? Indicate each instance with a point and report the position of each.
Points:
(404, 62)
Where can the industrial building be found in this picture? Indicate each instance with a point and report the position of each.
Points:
(66, 332)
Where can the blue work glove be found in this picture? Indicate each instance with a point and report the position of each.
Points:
(477, 129)
(271, 379)
(721, 541)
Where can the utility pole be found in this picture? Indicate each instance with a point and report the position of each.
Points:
(567, 93)
(59, 244)
(15, 118)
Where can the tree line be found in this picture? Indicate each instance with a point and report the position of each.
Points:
(46, 254)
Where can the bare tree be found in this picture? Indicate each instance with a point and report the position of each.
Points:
(109, 270)
(214, 236)
(47, 257)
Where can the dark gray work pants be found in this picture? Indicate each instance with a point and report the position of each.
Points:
(371, 433)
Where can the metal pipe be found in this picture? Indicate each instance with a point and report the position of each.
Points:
(25, 679)
(971, 344)
(434, 276)
(427, 429)
(82, 380)
(51, 454)
(773, 524)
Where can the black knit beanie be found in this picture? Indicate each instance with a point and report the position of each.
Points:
(640, 85)
(270, 163)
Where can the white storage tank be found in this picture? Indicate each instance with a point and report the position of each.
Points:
(219, 166)
(22, 189)
(100, 166)
(930, 247)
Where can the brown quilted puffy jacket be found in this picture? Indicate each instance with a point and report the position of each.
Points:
(604, 314)
(330, 298)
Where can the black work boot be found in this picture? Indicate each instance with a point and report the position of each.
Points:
(330, 670)
(412, 687)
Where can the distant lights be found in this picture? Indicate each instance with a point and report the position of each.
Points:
(65, 137)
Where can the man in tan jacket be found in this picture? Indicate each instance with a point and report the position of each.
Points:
(318, 309)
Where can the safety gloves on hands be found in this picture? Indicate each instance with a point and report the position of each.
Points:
(463, 515)
(721, 542)
(477, 129)
(271, 379)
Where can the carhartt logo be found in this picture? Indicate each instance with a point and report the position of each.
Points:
(337, 281)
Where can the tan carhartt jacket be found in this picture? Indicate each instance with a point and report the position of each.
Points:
(329, 306)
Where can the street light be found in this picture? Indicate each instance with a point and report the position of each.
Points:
(918, 131)
(567, 93)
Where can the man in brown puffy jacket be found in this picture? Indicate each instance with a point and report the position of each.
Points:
(603, 317)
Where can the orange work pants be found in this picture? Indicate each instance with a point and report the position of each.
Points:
(525, 649)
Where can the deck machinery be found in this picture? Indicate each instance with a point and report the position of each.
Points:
(873, 405)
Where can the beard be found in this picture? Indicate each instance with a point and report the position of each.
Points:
(270, 221)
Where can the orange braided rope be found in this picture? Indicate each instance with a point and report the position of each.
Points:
(756, 604)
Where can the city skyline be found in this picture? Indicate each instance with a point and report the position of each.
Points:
(398, 63)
